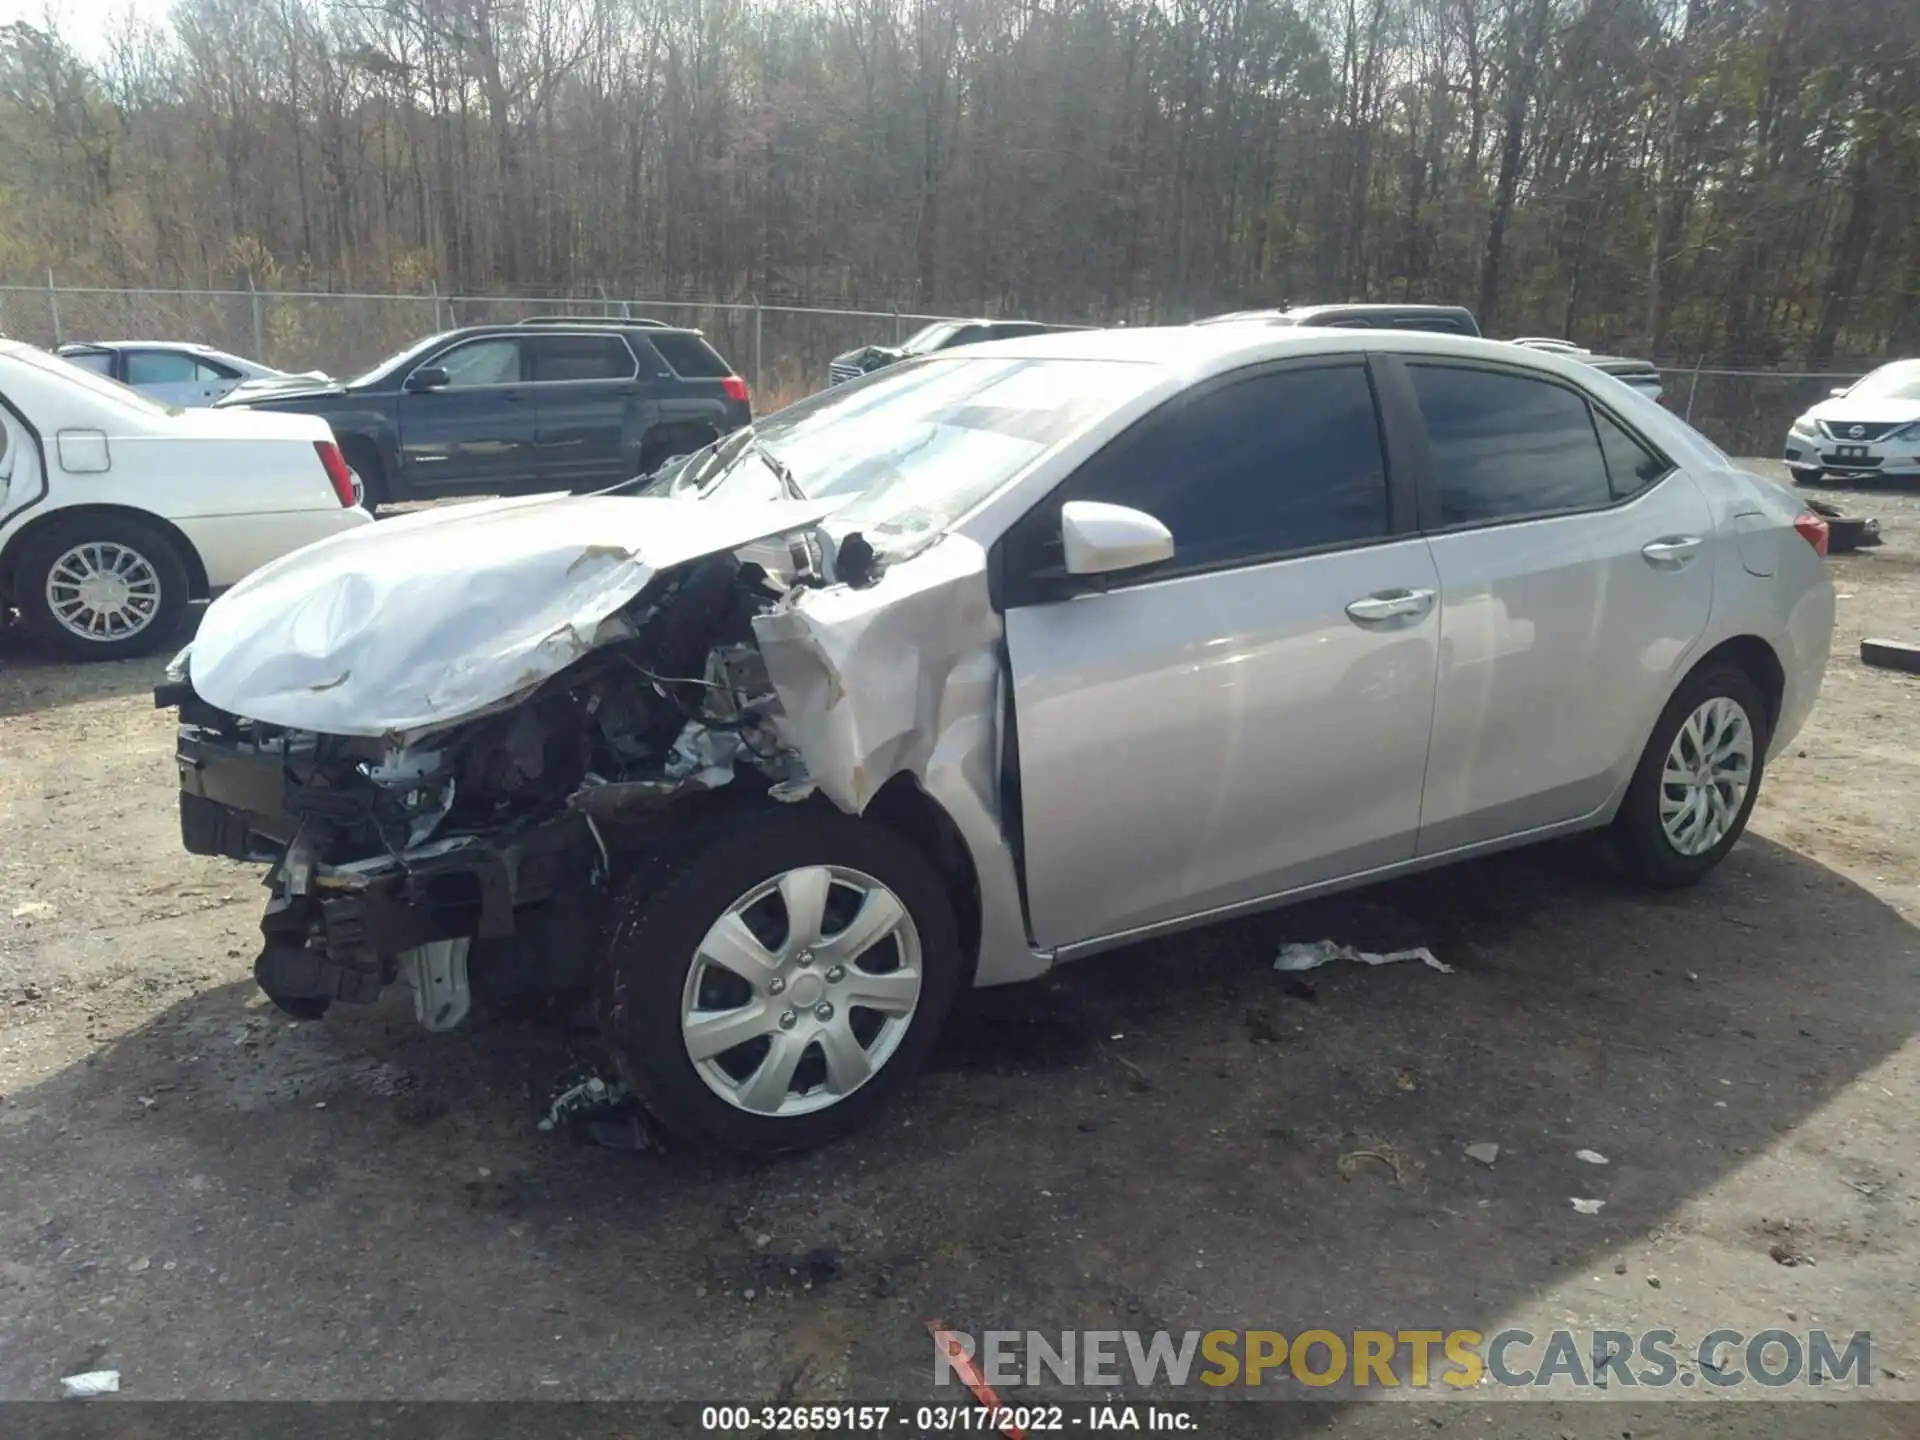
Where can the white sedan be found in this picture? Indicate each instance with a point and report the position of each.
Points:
(115, 510)
(1870, 429)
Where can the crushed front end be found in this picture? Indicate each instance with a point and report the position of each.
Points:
(470, 861)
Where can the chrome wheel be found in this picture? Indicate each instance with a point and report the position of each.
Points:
(801, 991)
(1708, 771)
(103, 590)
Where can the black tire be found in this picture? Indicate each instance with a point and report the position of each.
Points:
(1638, 838)
(662, 912)
(46, 547)
(363, 458)
(1805, 474)
(671, 444)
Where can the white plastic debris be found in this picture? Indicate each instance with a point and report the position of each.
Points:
(1592, 1157)
(1587, 1207)
(1297, 957)
(93, 1382)
(1485, 1151)
(31, 909)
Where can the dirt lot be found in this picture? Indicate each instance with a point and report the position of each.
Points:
(223, 1204)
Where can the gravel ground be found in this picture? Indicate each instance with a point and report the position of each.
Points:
(225, 1205)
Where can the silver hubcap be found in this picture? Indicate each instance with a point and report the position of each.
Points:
(103, 590)
(801, 991)
(1706, 777)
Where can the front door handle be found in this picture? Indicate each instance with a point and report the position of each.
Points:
(1670, 552)
(1390, 605)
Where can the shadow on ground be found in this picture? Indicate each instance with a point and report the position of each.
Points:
(222, 1204)
(33, 681)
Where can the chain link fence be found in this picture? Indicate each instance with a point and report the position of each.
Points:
(782, 349)
(1746, 412)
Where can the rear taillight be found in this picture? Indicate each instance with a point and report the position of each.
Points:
(1813, 530)
(735, 387)
(337, 471)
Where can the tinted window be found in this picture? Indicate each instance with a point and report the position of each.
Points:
(581, 357)
(484, 362)
(1256, 467)
(98, 361)
(161, 367)
(1505, 445)
(1631, 466)
(690, 356)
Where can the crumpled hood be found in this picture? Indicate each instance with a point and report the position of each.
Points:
(427, 619)
(1865, 410)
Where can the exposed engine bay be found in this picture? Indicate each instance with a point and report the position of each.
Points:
(471, 859)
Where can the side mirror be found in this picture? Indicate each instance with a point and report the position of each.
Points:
(1100, 539)
(428, 377)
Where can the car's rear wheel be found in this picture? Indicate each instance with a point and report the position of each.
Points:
(101, 587)
(1697, 780)
(771, 988)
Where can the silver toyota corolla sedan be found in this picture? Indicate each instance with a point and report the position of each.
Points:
(985, 662)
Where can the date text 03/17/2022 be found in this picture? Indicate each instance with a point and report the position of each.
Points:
(958, 1418)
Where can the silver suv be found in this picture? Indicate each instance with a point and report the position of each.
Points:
(986, 662)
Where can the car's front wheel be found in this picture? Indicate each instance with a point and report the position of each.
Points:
(775, 984)
(1697, 780)
(1805, 474)
(101, 587)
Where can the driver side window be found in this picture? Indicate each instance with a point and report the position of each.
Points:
(1247, 471)
(482, 362)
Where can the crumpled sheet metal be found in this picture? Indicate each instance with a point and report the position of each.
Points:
(869, 679)
(443, 615)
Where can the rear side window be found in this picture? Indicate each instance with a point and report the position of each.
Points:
(98, 361)
(559, 358)
(1631, 466)
(1506, 446)
(161, 367)
(689, 356)
(1274, 463)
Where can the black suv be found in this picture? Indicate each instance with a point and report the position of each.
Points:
(941, 335)
(549, 404)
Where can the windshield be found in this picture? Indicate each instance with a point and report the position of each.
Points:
(1891, 382)
(913, 447)
(929, 338)
(415, 348)
(90, 380)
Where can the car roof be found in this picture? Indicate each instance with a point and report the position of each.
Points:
(1201, 350)
(190, 345)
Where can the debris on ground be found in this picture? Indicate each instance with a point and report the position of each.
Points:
(1891, 655)
(1260, 1027)
(90, 1383)
(1385, 1155)
(1846, 532)
(1485, 1151)
(1592, 1157)
(1295, 957)
(1587, 1207)
(1783, 1254)
(31, 909)
(604, 1111)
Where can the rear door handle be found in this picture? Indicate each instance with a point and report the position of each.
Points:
(1672, 551)
(1390, 605)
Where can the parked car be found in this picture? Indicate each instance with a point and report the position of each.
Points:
(992, 660)
(928, 340)
(116, 510)
(1440, 319)
(508, 409)
(1871, 427)
(1642, 375)
(175, 372)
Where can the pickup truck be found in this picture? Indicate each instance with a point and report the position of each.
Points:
(515, 409)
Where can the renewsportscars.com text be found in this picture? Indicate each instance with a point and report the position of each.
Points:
(1387, 1359)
